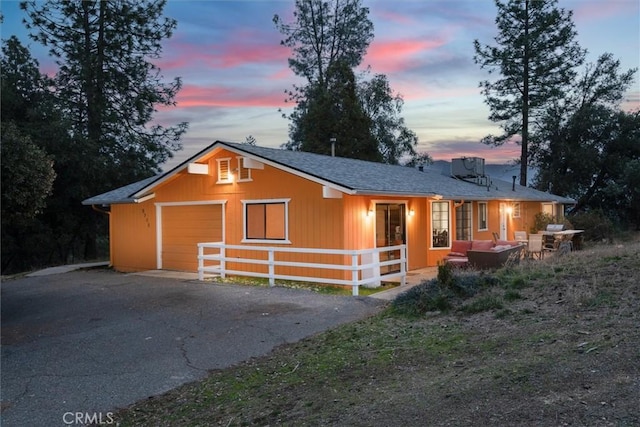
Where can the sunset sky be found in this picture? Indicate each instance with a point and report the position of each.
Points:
(235, 72)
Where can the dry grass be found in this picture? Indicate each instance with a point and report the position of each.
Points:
(562, 350)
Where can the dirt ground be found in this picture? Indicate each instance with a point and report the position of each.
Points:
(564, 350)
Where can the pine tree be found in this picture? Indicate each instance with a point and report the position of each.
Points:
(535, 56)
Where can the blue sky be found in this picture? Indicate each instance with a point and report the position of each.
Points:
(235, 72)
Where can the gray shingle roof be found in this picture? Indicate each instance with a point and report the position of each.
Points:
(354, 176)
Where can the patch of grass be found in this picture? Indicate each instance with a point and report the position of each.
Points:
(603, 298)
(511, 295)
(314, 287)
(484, 303)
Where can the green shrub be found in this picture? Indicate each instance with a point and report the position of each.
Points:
(596, 225)
(442, 293)
(423, 298)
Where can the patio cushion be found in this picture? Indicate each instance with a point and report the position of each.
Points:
(460, 247)
(507, 243)
(482, 245)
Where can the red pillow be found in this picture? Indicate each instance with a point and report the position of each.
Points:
(461, 246)
(482, 245)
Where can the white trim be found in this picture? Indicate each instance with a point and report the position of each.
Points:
(265, 201)
(198, 168)
(331, 193)
(160, 205)
(145, 198)
(251, 163)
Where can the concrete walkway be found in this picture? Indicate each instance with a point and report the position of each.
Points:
(67, 268)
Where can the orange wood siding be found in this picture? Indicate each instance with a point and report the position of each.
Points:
(133, 237)
(313, 221)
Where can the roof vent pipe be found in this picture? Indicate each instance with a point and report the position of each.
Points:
(513, 185)
(421, 168)
(333, 147)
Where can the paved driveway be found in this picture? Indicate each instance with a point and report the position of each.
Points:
(77, 345)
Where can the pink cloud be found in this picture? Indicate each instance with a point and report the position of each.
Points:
(191, 96)
(243, 51)
(597, 10)
(398, 55)
(389, 16)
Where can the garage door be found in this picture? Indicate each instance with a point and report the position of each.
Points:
(183, 227)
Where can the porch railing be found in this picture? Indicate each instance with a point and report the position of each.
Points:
(364, 265)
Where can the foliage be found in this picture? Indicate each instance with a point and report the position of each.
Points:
(445, 292)
(107, 83)
(542, 219)
(596, 224)
(328, 40)
(324, 33)
(91, 118)
(335, 115)
(536, 54)
(395, 141)
(588, 149)
(27, 177)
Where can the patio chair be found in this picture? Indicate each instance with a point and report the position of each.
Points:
(520, 236)
(534, 246)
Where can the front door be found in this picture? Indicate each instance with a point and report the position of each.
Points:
(503, 221)
(390, 231)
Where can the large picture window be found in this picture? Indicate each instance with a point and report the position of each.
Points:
(440, 224)
(266, 220)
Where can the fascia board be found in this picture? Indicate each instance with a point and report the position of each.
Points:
(182, 166)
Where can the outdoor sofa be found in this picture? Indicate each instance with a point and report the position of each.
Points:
(483, 254)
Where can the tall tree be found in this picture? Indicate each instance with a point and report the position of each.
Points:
(325, 37)
(34, 136)
(108, 89)
(325, 32)
(586, 147)
(334, 114)
(395, 139)
(536, 55)
(107, 81)
(328, 38)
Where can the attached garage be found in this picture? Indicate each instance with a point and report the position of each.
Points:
(181, 227)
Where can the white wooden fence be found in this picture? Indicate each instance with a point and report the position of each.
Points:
(365, 264)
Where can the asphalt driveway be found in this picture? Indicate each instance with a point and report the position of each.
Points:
(77, 345)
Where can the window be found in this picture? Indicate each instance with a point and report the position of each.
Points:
(440, 224)
(463, 221)
(266, 220)
(224, 171)
(516, 210)
(244, 174)
(483, 223)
